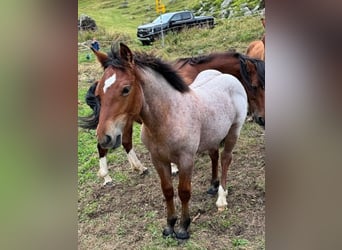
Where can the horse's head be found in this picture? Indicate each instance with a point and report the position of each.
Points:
(255, 70)
(119, 93)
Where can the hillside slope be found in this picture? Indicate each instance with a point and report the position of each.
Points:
(113, 16)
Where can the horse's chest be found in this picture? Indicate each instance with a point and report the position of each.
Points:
(171, 140)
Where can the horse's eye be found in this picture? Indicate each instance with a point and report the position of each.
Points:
(125, 90)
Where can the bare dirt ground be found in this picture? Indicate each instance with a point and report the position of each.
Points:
(131, 214)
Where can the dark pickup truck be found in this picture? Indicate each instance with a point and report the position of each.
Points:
(173, 21)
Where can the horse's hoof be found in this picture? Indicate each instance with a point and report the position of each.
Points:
(168, 232)
(212, 190)
(221, 209)
(174, 173)
(108, 184)
(144, 172)
(182, 235)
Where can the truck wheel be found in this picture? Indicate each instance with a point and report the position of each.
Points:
(146, 43)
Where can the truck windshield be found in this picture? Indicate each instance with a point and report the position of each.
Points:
(163, 18)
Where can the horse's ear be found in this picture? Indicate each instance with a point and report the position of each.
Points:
(126, 54)
(249, 66)
(101, 57)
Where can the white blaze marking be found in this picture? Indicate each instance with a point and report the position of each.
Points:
(109, 82)
(221, 202)
(103, 171)
(134, 161)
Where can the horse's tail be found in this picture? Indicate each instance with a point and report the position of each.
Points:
(91, 121)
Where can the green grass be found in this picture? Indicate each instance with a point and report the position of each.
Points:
(120, 24)
(238, 243)
(110, 15)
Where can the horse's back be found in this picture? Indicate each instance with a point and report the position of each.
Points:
(204, 77)
(213, 82)
(224, 103)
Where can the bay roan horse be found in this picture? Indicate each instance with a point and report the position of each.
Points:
(177, 120)
(250, 72)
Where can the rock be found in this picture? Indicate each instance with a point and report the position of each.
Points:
(225, 3)
(246, 11)
(86, 23)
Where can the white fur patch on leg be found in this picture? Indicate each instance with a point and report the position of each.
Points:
(134, 161)
(103, 171)
(174, 169)
(221, 202)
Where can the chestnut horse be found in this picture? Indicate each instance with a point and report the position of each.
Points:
(91, 122)
(256, 48)
(178, 121)
(250, 72)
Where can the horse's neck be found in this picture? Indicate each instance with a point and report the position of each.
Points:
(224, 64)
(160, 99)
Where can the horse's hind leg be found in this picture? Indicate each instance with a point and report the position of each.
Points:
(214, 156)
(174, 169)
(127, 144)
(103, 171)
(226, 159)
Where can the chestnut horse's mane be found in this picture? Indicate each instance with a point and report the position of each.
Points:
(259, 64)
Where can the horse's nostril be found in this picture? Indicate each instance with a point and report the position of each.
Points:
(107, 140)
(261, 121)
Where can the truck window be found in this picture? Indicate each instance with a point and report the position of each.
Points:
(176, 17)
(186, 15)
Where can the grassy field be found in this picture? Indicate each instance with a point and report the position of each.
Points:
(131, 213)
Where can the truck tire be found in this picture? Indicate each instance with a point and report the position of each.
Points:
(145, 43)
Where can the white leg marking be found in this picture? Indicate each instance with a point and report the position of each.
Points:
(103, 171)
(221, 202)
(134, 161)
(174, 169)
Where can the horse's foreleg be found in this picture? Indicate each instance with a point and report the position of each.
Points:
(127, 144)
(184, 192)
(164, 173)
(226, 159)
(214, 156)
(103, 171)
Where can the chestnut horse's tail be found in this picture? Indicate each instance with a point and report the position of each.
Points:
(91, 121)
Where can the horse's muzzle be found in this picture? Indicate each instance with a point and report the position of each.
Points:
(108, 142)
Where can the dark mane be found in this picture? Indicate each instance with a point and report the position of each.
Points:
(147, 60)
(195, 60)
(259, 65)
(91, 121)
(202, 58)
